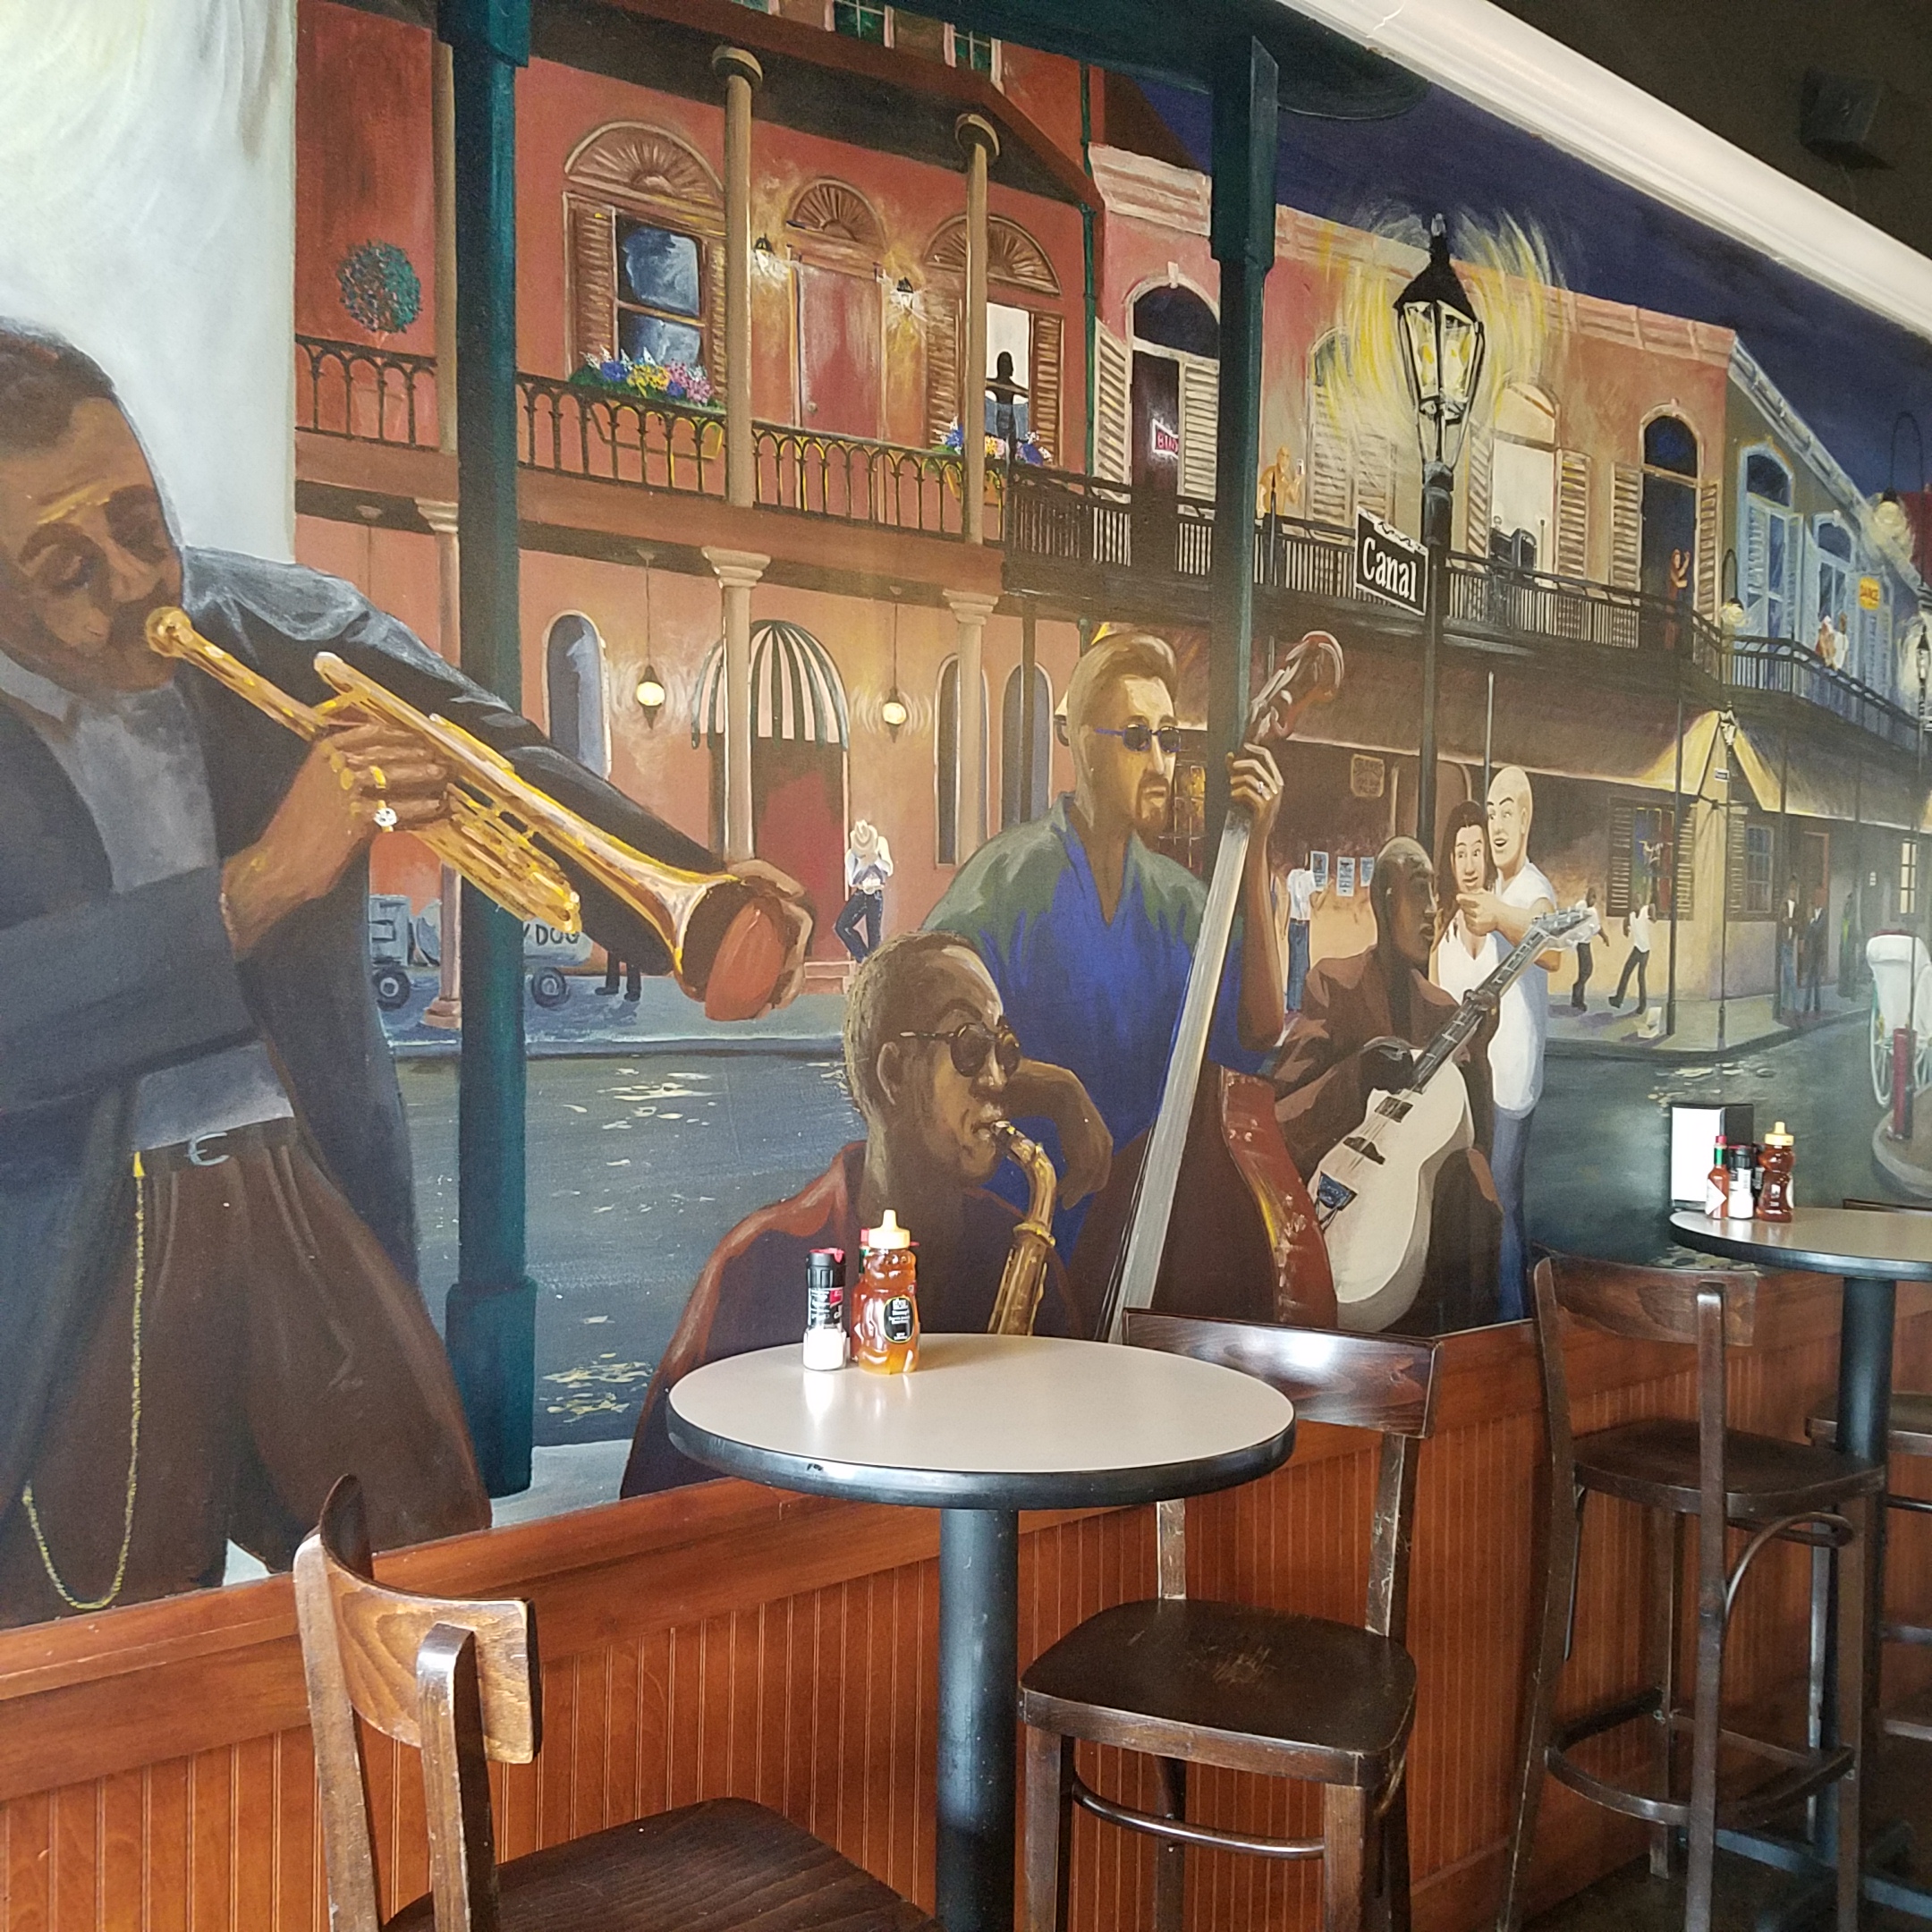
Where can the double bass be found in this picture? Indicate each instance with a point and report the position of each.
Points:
(1205, 1214)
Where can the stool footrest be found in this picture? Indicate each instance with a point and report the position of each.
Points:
(1802, 1772)
(1154, 1827)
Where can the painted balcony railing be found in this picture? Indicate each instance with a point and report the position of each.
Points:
(383, 396)
(1777, 664)
(374, 395)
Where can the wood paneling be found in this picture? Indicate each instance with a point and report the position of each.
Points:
(155, 1772)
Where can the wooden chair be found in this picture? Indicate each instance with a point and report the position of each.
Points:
(1187, 1680)
(1674, 1469)
(459, 1681)
(1909, 1433)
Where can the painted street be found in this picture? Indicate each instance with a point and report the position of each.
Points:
(638, 1166)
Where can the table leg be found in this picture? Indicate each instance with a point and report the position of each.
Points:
(978, 1691)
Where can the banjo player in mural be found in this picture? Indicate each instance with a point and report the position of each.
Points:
(208, 1299)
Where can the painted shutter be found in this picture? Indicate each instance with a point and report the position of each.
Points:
(1200, 388)
(1683, 899)
(1734, 868)
(1111, 406)
(1329, 469)
(1475, 516)
(715, 357)
(1375, 476)
(1044, 359)
(1626, 526)
(1756, 565)
(1708, 510)
(1572, 514)
(593, 266)
(941, 362)
(1622, 842)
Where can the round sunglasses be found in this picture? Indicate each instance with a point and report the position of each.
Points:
(972, 1043)
(1139, 736)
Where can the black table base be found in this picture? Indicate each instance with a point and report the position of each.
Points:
(979, 1702)
(1864, 1421)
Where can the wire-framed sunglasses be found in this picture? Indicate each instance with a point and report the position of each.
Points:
(972, 1043)
(1140, 734)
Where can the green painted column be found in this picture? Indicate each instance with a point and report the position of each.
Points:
(491, 1314)
(1242, 236)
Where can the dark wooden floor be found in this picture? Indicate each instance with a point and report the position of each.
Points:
(1631, 1901)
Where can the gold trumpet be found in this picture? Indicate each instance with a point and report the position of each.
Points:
(1024, 1276)
(728, 937)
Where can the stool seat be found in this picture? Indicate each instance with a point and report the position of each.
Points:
(1654, 1463)
(1910, 1429)
(1222, 1683)
(725, 1864)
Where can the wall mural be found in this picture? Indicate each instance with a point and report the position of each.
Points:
(914, 780)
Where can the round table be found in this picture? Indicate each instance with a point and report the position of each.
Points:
(986, 1427)
(1873, 1251)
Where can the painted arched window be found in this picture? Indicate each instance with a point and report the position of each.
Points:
(835, 239)
(1768, 546)
(1014, 761)
(1176, 317)
(573, 676)
(1668, 506)
(946, 757)
(1175, 390)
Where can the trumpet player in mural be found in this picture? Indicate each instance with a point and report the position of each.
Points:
(936, 1071)
(207, 1300)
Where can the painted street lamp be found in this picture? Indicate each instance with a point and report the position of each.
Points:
(1728, 726)
(1730, 614)
(895, 711)
(651, 695)
(1442, 344)
(1890, 518)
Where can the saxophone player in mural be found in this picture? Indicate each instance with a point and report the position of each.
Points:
(207, 1300)
(936, 1071)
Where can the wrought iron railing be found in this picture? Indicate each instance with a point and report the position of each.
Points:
(382, 396)
(1053, 516)
(1777, 664)
(374, 395)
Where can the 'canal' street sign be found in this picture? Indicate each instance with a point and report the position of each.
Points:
(1389, 565)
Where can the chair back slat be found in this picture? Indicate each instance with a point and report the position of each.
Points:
(380, 1631)
(1885, 1206)
(1385, 1383)
(1649, 1304)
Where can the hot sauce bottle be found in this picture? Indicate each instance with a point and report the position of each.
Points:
(885, 1305)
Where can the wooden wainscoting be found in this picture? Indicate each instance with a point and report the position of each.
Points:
(154, 1771)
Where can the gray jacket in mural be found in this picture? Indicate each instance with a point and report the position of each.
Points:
(98, 988)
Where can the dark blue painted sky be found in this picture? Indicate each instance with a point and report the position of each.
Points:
(1845, 371)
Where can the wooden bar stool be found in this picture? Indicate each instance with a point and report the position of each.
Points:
(459, 1681)
(1723, 1478)
(1186, 1681)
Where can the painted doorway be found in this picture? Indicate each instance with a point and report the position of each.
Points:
(1036, 763)
(573, 683)
(839, 351)
(1522, 480)
(800, 737)
(1667, 555)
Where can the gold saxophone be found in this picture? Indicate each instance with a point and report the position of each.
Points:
(729, 939)
(1024, 1275)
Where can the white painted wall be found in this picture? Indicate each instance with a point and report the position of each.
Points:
(148, 213)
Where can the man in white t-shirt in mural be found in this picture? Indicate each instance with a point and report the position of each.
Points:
(1521, 892)
(1302, 893)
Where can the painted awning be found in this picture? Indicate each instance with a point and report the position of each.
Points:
(797, 693)
(1813, 781)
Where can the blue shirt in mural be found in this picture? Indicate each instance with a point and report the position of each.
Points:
(1102, 998)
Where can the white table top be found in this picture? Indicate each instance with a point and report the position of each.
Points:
(986, 1421)
(1820, 1240)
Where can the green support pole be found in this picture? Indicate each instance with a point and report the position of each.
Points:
(1243, 235)
(491, 1315)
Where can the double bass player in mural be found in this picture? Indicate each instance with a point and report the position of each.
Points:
(207, 1249)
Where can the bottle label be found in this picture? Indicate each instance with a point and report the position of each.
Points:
(898, 1318)
(823, 1305)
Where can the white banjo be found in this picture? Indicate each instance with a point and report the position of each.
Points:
(1375, 1188)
